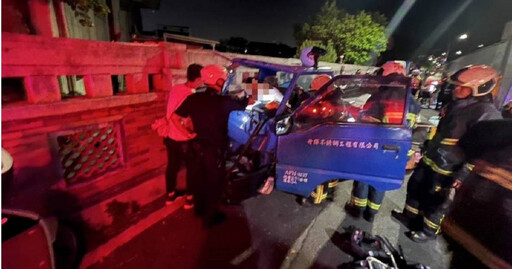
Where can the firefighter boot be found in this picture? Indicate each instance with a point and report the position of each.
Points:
(354, 211)
(420, 236)
(411, 222)
(369, 216)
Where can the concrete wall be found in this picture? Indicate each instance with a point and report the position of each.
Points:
(499, 56)
(101, 204)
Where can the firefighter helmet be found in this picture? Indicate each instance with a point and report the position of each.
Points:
(319, 81)
(214, 75)
(481, 79)
(392, 67)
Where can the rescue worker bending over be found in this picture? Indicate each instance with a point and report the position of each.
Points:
(384, 106)
(430, 184)
(209, 113)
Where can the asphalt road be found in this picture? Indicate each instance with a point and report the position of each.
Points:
(271, 231)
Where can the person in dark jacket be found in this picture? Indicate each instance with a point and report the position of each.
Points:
(209, 112)
(430, 184)
(485, 193)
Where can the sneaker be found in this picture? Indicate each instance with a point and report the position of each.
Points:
(189, 202)
(173, 196)
(420, 236)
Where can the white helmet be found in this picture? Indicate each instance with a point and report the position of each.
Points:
(481, 79)
(392, 67)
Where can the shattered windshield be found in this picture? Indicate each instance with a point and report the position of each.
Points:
(349, 99)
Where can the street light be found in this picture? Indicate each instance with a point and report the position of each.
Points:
(481, 45)
(446, 55)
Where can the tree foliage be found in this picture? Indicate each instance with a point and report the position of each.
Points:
(82, 8)
(330, 56)
(356, 37)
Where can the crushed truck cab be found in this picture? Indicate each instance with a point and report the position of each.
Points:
(352, 128)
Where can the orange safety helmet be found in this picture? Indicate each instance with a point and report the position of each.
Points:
(214, 75)
(392, 67)
(319, 81)
(481, 79)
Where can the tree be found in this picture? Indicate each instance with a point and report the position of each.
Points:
(330, 56)
(357, 37)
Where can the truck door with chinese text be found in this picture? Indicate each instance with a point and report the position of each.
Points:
(352, 129)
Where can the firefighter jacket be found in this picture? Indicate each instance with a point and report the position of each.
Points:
(386, 105)
(490, 141)
(442, 154)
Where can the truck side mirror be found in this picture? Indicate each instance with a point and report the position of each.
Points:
(283, 125)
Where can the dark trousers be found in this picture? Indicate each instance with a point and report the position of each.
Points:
(428, 196)
(210, 179)
(178, 153)
(366, 197)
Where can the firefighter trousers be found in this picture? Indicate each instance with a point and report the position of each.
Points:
(324, 191)
(366, 197)
(428, 198)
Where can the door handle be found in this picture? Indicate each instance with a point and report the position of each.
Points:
(391, 147)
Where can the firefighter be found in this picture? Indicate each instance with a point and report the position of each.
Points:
(429, 187)
(318, 82)
(384, 106)
(323, 191)
(209, 112)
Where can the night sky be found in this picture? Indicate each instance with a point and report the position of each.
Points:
(425, 29)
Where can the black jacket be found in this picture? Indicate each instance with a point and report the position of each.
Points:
(210, 113)
(442, 154)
